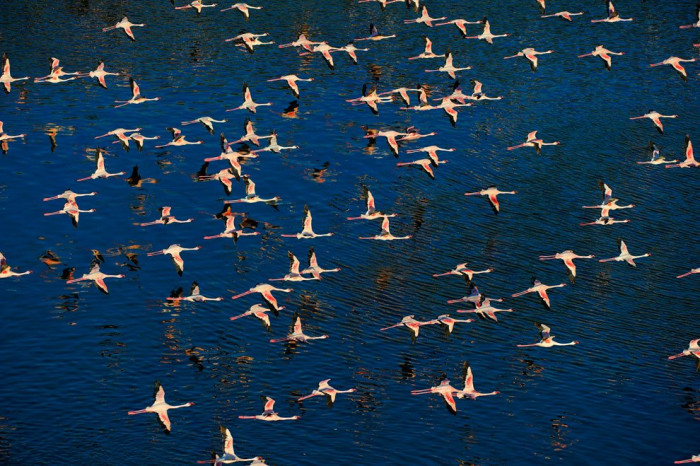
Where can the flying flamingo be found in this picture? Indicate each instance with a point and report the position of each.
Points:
(696, 24)
(302, 41)
(445, 390)
(196, 4)
(449, 322)
(492, 192)
(424, 18)
(96, 276)
(486, 34)
(268, 413)
(460, 24)
(432, 152)
(604, 221)
(371, 213)
(693, 350)
(625, 255)
(136, 97)
(250, 41)
(324, 389)
(174, 251)
(390, 136)
(100, 171)
(531, 55)
(260, 312)
(473, 297)
(374, 34)
(273, 145)
(248, 103)
(412, 324)
(541, 289)
(463, 270)
(675, 62)
(350, 49)
(689, 156)
(6, 272)
(613, 16)
(298, 334)
(224, 176)
(477, 93)
(265, 291)
(69, 195)
(294, 275)
(449, 67)
(547, 340)
(307, 231)
(291, 80)
(371, 98)
(249, 136)
(565, 15)
(414, 133)
(120, 134)
(160, 407)
(125, 24)
(250, 196)
(533, 141)
(325, 50)
(427, 52)
(195, 296)
(57, 73)
(468, 391)
(382, 3)
(609, 202)
(604, 54)
(165, 218)
(314, 268)
(694, 458)
(568, 257)
(178, 139)
(692, 271)
(385, 234)
(484, 309)
(655, 117)
(244, 8)
(656, 157)
(100, 74)
(229, 455)
(6, 79)
(206, 121)
(139, 138)
(71, 208)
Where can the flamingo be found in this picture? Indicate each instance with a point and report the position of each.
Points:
(425, 164)
(486, 34)
(534, 141)
(604, 54)
(473, 297)
(206, 121)
(411, 324)
(268, 413)
(492, 192)
(625, 255)
(6, 271)
(6, 78)
(71, 208)
(541, 289)
(371, 99)
(374, 34)
(531, 55)
(178, 139)
(136, 97)
(251, 197)
(371, 213)
(656, 157)
(302, 41)
(195, 296)
(696, 24)
(382, 3)
(100, 74)
(273, 146)
(69, 195)
(692, 459)
(568, 257)
(689, 156)
(609, 202)
(307, 231)
(100, 171)
(546, 340)
(484, 309)
(56, 73)
(244, 8)
(385, 234)
(324, 389)
(432, 153)
(165, 218)
(477, 93)
(390, 136)
(229, 455)
(224, 176)
(424, 18)
(314, 268)
(449, 67)
(427, 52)
(449, 322)
(460, 24)
(542, 5)
(414, 134)
(445, 390)
(613, 15)
(693, 350)
(604, 221)
(463, 270)
(565, 15)
(174, 251)
(260, 312)
(250, 41)
(325, 50)
(294, 275)
(125, 24)
(265, 291)
(196, 4)
(298, 334)
(160, 407)
(350, 49)
(139, 139)
(249, 136)
(97, 276)
(675, 62)
(248, 103)
(692, 271)
(120, 134)
(291, 80)
(468, 391)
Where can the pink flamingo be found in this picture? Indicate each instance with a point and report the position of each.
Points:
(372, 213)
(445, 390)
(314, 268)
(533, 141)
(100, 171)
(291, 80)
(689, 156)
(260, 312)
(268, 413)
(568, 257)
(6, 79)
(546, 340)
(541, 289)
(486, 35)
(385, 234)
(604, 54)
(424, 18)
(463, 270)
(613, 15)
(692, 271)
(160, 407)
(125, 24)
(324, 389)
(229, 455)
(412, 324)
(174, 251)
(244, 8)
(655, 117)
(294, 275)
(248, 103)
(71, 208)
(492, 192)
(625, 255)
(96, 276)
(265, 291)
(307, 230)
(165, 218)
(195, 296)
(531, 55)
(136, 97)
(427, 52)
(675, 62)
(484, 309)
(298, 334)
(468, 391)
(565, 15)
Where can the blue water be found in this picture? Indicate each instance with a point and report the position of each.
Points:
(74, 360)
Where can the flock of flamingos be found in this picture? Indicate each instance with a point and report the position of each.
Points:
(235, 154)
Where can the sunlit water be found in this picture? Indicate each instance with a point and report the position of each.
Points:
(75, 360)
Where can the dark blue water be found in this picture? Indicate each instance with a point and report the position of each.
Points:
(76, 360)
